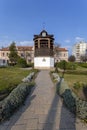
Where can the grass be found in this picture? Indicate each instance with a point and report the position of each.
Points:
(10, 77)
(72, 77)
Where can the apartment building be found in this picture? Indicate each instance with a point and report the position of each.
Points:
(79, 49)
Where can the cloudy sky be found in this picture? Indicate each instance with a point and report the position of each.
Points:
(21, 19)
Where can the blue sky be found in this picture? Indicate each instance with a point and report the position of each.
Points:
(21, 19)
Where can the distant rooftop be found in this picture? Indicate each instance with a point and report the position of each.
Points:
(19, 48)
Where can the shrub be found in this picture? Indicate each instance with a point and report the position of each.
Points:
(71, 66)
(14, 100)
(55, 77)
(83, 65)
(3, 66)
(66, 65)
(75, 105)
(78, 85)
(69, 100)
(76, 72)
(29, 77)
(22, 62)
(30, 65)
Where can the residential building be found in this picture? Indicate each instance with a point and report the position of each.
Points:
(26, 52)
(60, 54)
(79, 49)
(3, 62)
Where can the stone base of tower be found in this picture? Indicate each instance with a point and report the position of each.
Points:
(43, 62)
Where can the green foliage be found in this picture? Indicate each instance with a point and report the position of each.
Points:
(78, 85)
(70, 99)
(83, 65)
(71, 66)
(13, 56)
(76, 72)
(30, 65)
(81, 108)
(22, 62)
(14, 100)
(66, 65)
(3, 67)
(62, 86)
(72, 58)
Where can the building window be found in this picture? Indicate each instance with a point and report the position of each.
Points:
(3, 61)
(7, 54)
(22, 55)
(29, 60)
(64, 55)
(3, 54)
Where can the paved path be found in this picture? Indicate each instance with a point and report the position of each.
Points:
(43, 110)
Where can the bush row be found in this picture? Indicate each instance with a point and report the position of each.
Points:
(29, 77)
(14, 100)
(76, 72)
(66, 65)
(83, 65)
(75, 105)
(55, 77)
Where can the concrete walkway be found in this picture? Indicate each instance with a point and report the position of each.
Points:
(43, 110)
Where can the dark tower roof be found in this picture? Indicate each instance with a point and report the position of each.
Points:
(40, 35)
(43, 32)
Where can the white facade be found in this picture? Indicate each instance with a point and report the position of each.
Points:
(79, 49)
(3, 62)
(43, 62)
(61, 55)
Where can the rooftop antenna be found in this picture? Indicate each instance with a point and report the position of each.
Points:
(44, 25)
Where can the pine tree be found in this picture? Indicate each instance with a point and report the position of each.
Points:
(13, 55)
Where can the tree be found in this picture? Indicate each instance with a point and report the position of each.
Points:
(56, 51)
(72, 58)
(83, 58)
(13, 55)
(64, 66)
(56, 48)
(22, 62)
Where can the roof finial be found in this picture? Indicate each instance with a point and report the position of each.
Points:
(43, 25)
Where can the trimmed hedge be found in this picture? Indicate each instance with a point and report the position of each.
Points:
(83, 65)
(75, 105)
(55, 77)
(76, 72)
(29, 77)
(14, 100)
(67, 65)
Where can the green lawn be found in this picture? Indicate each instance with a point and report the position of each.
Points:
(11, 77)
(72, 78)
(79, 75)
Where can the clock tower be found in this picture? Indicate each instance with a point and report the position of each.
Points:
(43, 51)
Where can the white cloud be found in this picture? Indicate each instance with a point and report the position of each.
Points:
(5, 43)
(67, 41)
(79, 39)
(26, 43)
